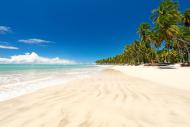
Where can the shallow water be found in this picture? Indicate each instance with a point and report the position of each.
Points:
(19, 79)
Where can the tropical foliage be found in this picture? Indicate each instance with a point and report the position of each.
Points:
(167, 41)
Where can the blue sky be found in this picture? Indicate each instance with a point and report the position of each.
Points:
(80, 30)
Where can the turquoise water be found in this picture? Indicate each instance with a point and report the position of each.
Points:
(19, 67)
(19, 79)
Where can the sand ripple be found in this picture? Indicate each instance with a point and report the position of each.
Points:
(110, 99)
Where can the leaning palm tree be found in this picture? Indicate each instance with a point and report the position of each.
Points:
(166, 18)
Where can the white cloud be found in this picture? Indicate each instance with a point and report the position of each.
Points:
(4, 29)
(33, 58)
(8, 47)
(33, 41)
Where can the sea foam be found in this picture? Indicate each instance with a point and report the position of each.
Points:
(16, 81)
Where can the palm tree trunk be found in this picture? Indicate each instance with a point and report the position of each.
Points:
(186, 43)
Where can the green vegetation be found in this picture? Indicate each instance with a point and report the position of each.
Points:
(167, 41)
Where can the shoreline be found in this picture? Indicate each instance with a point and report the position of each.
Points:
(29, 81)
(174, 78)
(109, 99)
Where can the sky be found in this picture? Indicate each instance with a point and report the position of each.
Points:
(77, 30)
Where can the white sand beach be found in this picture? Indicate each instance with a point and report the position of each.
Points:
(178, 77)
(101, 63)
(109, 99)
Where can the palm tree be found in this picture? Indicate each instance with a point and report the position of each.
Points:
(168, 40)
(166, 13)
(156, 37)
(184, 40)
(166, 18)
(186, 17)
(144, 32)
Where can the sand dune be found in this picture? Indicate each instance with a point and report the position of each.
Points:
(109, 99)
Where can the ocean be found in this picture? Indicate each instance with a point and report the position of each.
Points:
(20, 79)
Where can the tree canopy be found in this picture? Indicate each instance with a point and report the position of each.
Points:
(167, 41)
